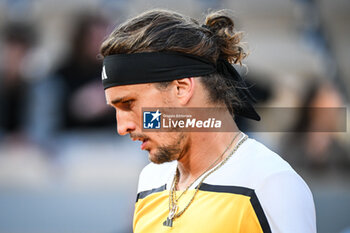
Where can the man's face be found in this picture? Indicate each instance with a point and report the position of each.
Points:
(128, 101)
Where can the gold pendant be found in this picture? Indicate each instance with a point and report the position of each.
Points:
(169, 220)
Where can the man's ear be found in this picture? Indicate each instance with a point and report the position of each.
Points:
(184, 89)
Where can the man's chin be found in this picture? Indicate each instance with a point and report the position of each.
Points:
(158, 159)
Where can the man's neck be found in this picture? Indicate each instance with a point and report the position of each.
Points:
(204, 150)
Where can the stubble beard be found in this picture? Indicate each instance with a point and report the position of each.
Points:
(171, 152)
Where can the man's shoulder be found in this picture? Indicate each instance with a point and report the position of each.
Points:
(263, 159)
(283, 194)
(154, 176)
(250, 166)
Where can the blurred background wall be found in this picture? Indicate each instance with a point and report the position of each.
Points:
(63, 168)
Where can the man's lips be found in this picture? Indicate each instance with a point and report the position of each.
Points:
(144, 144)
(143, 140)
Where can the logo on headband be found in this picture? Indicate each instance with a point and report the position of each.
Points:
(104, 76)
(151, 120)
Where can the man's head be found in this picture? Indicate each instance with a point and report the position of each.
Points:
(128, 100)
(165, 31)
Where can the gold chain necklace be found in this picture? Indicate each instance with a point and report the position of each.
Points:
(173, 207)
(177, 175)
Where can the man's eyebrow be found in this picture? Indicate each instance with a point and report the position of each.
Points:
(118, 100)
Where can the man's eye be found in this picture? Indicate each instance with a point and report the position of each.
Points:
(127, 104)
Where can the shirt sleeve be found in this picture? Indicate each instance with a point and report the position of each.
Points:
(287, 203)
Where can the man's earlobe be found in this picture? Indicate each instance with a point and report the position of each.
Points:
(185, 89)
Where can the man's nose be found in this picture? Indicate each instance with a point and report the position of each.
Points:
(125, 124)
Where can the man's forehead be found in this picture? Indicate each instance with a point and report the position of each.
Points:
(124, 91)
